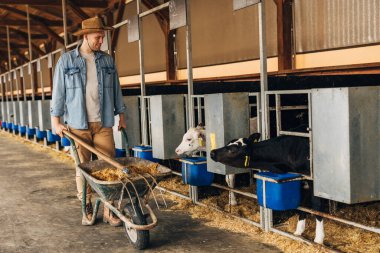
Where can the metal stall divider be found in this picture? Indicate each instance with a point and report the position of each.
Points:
(23, 105)
(265, 213)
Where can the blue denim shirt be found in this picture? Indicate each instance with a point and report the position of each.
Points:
(69, 89)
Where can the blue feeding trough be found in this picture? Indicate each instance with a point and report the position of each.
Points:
(31, 131)
(65, 142)
(144, 152)
(282, 191)
(49, 136)
(194, 171)
(15, 128)
(22, 130)
(40, 134)
(4, 125)
(120, 152)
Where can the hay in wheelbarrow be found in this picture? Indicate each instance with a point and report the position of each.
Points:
(114, 174)
(136, 184)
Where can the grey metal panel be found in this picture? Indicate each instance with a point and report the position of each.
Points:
(132, 121)
(9, 111)
(3, 111)
(340, 23)
(16, 115)
(346, 143)
(44, 120)
(240, 4)
(23, 112)
(227, 118)
(32, 113)
(133, 29)
(168, 124)
(177, 13)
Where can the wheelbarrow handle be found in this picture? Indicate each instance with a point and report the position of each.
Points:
(124, 133)
(94, 150)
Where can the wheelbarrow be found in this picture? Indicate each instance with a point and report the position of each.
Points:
(131, 193)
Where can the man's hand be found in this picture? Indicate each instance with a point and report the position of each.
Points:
(121, 122)
(57, 126)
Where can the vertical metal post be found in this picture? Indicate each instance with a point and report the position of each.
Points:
(189, 57)
(24, 83)
(29, 36)
(10, 79)
(64, 22)
(144, 134)
(17, 86)
(278, 113)
(9, 50)
(190, 89)
(310, 129)
(263, 89)
(30, 53)
(42, 81)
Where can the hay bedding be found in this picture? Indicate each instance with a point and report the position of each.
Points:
(338, 236)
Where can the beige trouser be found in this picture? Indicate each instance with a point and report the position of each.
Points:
(99, 137)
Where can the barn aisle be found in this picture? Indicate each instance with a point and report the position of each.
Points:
(40, 213)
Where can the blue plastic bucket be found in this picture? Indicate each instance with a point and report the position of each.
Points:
(40, 134)
(194, 172)
(15, 128)
(120, 152)
(31, 131)
(144, 152)
(65, 142)
(22, 130)
(283, 191)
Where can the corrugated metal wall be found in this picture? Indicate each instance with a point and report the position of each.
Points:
(221, 35)
(328, 24)
(127, 54)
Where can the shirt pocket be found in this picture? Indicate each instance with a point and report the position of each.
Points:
(108, 75)
(73, 78)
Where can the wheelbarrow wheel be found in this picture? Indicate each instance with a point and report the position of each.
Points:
(138, 238)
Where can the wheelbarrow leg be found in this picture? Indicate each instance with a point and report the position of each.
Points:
(86, 221)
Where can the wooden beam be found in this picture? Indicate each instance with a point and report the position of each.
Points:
(284, 34)
(79, 3)
(162, 15)
(35, 20)
(119, 16)
(40, 22)
(77, 10)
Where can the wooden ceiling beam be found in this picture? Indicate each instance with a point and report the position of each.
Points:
(35, 20)
(115, 33)
(79, 3)
(77, 10)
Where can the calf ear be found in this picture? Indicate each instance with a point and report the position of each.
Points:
(200, 126)
(255, 137)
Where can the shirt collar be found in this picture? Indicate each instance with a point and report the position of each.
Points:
(98, 54)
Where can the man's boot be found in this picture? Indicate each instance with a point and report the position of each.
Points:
(111, 218)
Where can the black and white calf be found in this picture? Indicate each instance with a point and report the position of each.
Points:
(279, 155)
(193, 141)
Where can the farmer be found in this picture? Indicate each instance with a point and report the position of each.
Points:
(87, 93)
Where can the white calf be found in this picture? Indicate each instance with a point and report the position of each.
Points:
(193, 141)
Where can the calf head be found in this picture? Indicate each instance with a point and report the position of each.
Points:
(236, 153)
(193, 140)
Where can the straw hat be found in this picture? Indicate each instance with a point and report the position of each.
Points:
(92, 25)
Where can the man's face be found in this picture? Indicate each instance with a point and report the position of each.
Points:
(95, 40)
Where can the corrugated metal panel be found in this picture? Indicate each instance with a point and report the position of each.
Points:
(327, 24)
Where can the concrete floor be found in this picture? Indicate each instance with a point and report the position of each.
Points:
(39, 212)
